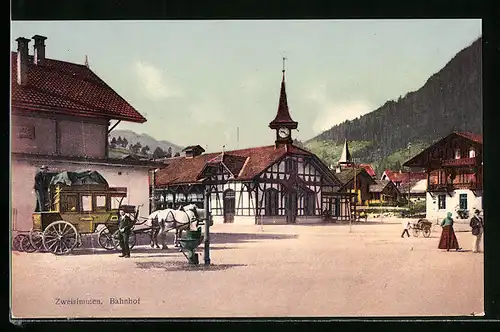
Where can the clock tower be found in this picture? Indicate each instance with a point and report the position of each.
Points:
(283, 123)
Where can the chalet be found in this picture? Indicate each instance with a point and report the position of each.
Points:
(416, 189)
(363, 183)
(279, 183)
(400, 177)
(60, 116)
(454, 169)
(346, 174)
(384, 191)
(369, 169)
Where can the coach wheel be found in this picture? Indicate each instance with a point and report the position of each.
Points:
(427, 232)
(36, 240)
(16, 242)
(105, 239)
(60, 237)
(416, 232)
(26, 244)
(116, 240)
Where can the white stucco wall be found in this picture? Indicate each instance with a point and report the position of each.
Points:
(434, 214)
(23, 195)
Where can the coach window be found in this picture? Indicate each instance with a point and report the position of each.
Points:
(86, 203)
(69, 203)
(115, 202)
(100, 203)
(442, 202)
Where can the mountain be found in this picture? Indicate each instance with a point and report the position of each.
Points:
(133, 138)
(450, 100)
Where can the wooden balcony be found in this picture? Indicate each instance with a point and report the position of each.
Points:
(459, 162)
(452, 186)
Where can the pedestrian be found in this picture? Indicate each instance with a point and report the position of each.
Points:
(448, 239)
(124, 226)
(406, 226)
(477, 225)
(40, 190)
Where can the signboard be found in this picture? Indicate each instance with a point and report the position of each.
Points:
(24, 132)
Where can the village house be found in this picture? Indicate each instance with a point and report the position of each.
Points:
(369, 169)
(279, 183)
(61, 114)
(454, 169)
(349, 173)
(384, 192)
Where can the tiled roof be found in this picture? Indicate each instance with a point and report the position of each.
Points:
(379, 186)
(255, 160)
(368, 168)
(69, 88)
(396, 176)
(234, 163)
(347, 175)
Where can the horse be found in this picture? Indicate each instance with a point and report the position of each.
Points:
(184, 218)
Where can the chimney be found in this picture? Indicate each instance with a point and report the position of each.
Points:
(39, 49)
(22, 60)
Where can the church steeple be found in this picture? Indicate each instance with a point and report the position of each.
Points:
(283, 123)
(345, 157)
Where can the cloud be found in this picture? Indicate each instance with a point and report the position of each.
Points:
(153, 84)
(332, 112)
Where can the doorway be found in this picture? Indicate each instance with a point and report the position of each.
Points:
(229, 205)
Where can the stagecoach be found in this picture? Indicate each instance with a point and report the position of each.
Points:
(80, 203)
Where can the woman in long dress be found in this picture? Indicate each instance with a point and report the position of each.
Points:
(448, 239)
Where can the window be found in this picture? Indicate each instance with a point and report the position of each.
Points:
(69, 203)
(463, 201)
(472, 153)
(271, 198)
(442, 202)
(291, 166)
(457, 153)
(100, 203)
(310, 201)
(115, 202)
(86, 203)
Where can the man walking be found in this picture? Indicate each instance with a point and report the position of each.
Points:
(39, 187)
(124, 226)
(477, 225)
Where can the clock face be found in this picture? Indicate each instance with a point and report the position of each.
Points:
(283, 132)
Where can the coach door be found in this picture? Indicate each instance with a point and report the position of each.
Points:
(229, 205)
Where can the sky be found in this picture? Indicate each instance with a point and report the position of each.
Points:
(197, 82)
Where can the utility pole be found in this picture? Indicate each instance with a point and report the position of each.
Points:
(208, 219)
(355, 195)
(409, 178)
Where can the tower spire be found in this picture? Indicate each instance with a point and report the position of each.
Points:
(345, 157)
(283, 118)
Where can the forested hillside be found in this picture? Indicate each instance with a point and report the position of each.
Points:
(450, 100)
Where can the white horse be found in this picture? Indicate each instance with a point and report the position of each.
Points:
(184, 218)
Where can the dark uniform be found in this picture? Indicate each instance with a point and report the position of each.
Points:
(40, 189)
(124, 225)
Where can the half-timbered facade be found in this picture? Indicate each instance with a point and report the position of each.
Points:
(279, 183)
(454, 168)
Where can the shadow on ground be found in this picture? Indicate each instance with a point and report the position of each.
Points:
(184, 266)
(218, 238)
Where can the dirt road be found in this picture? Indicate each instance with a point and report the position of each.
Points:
(285, 271)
